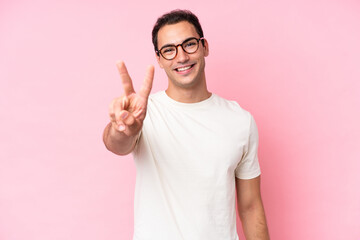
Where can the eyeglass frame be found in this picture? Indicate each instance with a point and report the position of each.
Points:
(158, 52)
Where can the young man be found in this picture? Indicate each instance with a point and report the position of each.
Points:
(193, 150)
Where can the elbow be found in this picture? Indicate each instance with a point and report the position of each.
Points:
(251, 207)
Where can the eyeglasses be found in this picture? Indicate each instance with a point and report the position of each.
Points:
(190, 45)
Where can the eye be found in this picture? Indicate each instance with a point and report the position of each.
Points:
(190, 44)
(168, 50)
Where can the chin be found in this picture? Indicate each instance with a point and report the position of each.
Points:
(185, 84)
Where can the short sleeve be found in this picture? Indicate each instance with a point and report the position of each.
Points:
(248, 166)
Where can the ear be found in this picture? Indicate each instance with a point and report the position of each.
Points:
(206, 48)
(158, 60)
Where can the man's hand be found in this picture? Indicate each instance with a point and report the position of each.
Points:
(127, 112)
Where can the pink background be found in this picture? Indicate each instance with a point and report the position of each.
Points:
(295, 65)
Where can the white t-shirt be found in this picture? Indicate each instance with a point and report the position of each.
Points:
(187, 158)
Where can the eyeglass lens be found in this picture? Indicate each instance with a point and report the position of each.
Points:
(189, 46)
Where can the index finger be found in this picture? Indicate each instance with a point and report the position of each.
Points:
(148, 82)
(125, 78)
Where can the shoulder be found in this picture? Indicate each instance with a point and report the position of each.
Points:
(156, 96)
(157, 100)
(231, 107)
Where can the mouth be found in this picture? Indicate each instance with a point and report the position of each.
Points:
(184, 68)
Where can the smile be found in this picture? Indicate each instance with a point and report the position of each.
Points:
(182, 69)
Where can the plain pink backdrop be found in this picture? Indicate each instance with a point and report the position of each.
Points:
(295, 65)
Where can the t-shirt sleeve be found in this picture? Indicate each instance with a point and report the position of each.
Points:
(248, 166)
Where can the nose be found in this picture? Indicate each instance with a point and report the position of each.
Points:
(182, 56)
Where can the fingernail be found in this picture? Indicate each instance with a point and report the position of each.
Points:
(124, 115)
(121, 127)
(123, 103)
(137, 113)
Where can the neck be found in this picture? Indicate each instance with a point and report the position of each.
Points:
(193, 94)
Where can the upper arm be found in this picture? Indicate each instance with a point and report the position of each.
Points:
(248, 193)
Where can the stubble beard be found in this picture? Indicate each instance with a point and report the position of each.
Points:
(198, 79)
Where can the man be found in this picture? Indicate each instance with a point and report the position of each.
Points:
(192, 148)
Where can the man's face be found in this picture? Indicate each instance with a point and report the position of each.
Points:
(185, 70)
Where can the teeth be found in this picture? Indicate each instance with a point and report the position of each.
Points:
(183, 68)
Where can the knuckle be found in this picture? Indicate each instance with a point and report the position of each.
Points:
(117, 117)
(130, 121)
(112, 118)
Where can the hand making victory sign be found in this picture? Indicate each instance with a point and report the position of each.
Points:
(127, 112)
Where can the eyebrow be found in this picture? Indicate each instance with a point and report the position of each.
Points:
(171, 45)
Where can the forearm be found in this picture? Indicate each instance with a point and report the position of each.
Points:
(117, 142)
(254, 223)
